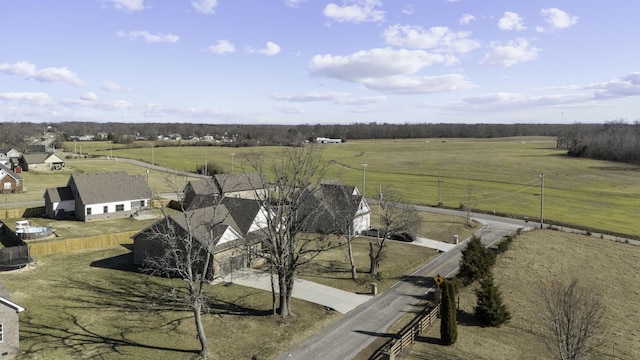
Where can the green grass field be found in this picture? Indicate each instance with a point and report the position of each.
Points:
(93, 304)
(501, 175)
(611, 269)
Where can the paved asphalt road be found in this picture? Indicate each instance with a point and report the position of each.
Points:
(346, 338)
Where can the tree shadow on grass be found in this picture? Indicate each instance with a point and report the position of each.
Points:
(81, 340)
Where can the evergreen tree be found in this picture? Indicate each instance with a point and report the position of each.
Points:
(490, 308)
(448, 320)
(476, 261)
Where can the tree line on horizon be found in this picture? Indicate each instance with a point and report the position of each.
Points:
(617, 140)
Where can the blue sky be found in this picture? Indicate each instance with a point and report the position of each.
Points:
(326, 62)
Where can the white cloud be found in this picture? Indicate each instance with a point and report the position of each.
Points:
(341, 98)
(111, 86)
(407, 9)
(419, 84)
(222, 46)
(467, 19)
(311, 96)
(291, 109)
(293, 3)
(270, 49)
(148, 37)
(439, 38)
(205, 6)
(128, 5)
(511, 21)
(90, 96)
(26, 70)
(628, 85)
(558, 19)
(511, 53)
(38, 98)
(355, 11)
(388, 70)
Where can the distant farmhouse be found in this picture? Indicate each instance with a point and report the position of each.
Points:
(10, 181)
(98, 196)
(324, 140)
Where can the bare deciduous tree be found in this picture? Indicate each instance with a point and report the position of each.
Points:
(575, 318)
(182, 246)
(296, 175)
(395, 217)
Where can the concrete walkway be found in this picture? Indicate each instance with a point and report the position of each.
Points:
(339, 300)
(433, 244)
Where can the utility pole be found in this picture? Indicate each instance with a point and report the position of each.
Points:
(232, 154)
(541, 200)
(364, 179)
(153, 163)
(439, 198)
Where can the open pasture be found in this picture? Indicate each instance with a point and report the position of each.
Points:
(501, 175)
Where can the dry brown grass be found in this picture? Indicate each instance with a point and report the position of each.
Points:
(611, 269)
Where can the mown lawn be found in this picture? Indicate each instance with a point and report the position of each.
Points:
(611, 269)
(93, 304)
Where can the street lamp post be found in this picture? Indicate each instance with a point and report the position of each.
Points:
(110, 149)
(153, 163)
(364, 179)
(232, 154)
(541, 200)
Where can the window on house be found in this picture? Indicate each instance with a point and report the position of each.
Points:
(120, 207)
(88, 211)
(105, 209)
(7, 186)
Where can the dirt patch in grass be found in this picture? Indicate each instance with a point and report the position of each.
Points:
(611, 268)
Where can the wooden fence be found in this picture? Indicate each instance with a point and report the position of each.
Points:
(62, 246)
(407, 335)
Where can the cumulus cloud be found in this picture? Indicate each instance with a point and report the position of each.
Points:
(36, 98)
(388, 70)
(270, 49)
(111, 86)
(439, 38)
(467, 19)
(148, 37)
(355, 11)
(222, 46)
(511, 21)
(128, 5)
(26, 70)
(205, 6)
(90, 96)
(510, 53)
(558, 19)
(628, 85)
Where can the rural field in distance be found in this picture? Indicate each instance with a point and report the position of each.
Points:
(500, 174)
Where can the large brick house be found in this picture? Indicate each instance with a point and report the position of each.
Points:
(10, 182)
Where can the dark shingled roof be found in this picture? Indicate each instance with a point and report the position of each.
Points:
(204, 187)
(243, 211)
(238, 182)
(59, 194)
(99, 188)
